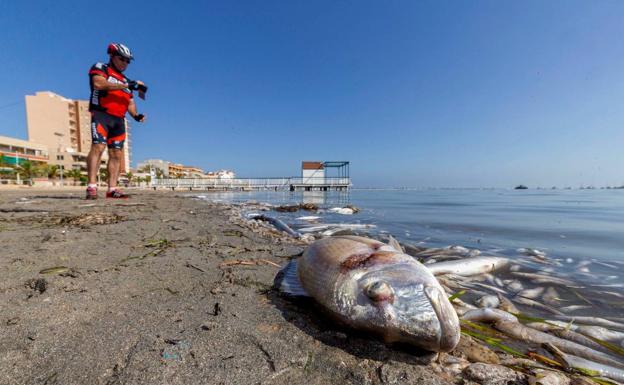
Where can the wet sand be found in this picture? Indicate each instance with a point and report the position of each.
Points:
(162, 289)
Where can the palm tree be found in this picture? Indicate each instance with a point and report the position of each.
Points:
(52, 171)
(104, 174)
(27, 170)
(159, 173)
(130, 177)
(6, 169)
(148, 179)
(74, 173)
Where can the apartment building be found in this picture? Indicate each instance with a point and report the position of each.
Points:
(64, 126)
(16, 151)
(192, 172)
(176, 170)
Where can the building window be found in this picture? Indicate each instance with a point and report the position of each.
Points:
(60, 157)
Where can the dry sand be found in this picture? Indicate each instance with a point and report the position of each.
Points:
(151, 290)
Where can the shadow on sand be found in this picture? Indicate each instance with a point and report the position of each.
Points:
(307, 315)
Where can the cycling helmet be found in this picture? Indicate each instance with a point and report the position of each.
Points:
(120, 49)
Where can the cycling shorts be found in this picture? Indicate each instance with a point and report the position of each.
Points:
(109, 129)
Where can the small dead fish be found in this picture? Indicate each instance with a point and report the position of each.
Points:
(507, 305)
(530, 302)
(468, 266)
(572, 308)
(608, 265)
(373, 287)
(543, 278)
(597, 321)
(308, 218)
(492, 280)
(532, 252)
(279, 224)
(551, 296)
(531, 293)
(456, 251)
(508, 324)
(342, 210)
(488, 301)
(489, 287)
(585, 365)
(515, 286)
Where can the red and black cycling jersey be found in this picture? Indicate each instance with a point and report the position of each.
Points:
(113, 102)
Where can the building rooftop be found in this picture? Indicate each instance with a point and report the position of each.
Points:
(22, 143)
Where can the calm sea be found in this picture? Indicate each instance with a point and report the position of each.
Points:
(581, 232)
(578, 224)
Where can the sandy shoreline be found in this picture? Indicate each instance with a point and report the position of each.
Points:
(151, 291)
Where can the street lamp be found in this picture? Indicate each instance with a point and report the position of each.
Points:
(60, 136)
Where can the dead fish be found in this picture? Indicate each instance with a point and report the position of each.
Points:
(488, 287)
(531, 293)
(551, 296)
(371, 286)
(457, 251)
(597, 332)
(606, 265)
(585, 365)
(571, 308)
(508, 324)
(530, 302)
(336, 231)
(491, 279)
(515, 286)
(342, 210)
(507, 305)
(488, 301)
(543, 278)
(596, 321)
(532, 252)
(309, 218)
(281, 226)
(468, 266)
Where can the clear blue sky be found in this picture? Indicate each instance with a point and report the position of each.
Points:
(437, 93)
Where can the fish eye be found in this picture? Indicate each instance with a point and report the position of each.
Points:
(380, 291)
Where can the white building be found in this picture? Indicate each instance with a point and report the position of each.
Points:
(154, 164)
(312, 172)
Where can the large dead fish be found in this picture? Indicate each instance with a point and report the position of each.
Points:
(372, 286)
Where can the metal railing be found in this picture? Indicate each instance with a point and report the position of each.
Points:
(250, 183)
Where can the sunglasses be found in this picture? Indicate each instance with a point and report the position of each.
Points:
(123, 59)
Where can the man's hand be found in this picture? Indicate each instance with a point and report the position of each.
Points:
(133, 84)
(139, 118)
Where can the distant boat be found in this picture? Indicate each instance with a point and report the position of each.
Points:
(520, 187)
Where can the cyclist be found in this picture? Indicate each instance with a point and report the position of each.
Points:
(111, 98)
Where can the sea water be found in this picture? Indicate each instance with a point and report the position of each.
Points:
(564, 223)
(581, 232)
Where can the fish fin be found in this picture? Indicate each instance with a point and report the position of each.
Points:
(394, 243)
(290, 281)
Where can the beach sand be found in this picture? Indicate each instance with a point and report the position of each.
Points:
(151, 290)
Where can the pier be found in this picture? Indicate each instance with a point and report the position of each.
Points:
(315, 176)
(256, 184)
